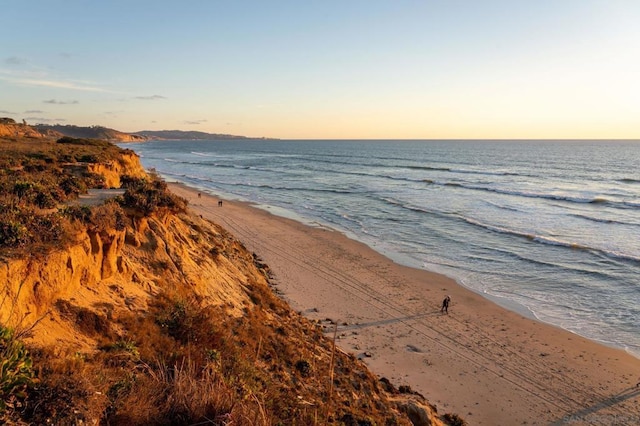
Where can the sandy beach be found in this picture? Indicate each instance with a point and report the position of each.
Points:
(487, 364)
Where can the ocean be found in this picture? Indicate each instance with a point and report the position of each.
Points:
(547, 228)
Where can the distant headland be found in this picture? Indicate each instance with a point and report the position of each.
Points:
(9, 127)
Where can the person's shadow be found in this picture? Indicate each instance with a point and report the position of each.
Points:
(589, 415)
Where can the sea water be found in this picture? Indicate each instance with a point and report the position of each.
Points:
(552, 227)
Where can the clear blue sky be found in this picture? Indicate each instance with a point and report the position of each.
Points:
(327, 68)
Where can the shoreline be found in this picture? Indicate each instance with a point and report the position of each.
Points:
(483, 361)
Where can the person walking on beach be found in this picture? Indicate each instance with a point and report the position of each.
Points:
(445, 305)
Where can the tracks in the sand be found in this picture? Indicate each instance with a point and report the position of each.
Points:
(527, 372)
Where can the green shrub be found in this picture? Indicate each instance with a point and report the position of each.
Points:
(107, 216)
(16, 373)
(150, 195)
(72, 185)
(80, 141)
(13, 234)
(22, 189)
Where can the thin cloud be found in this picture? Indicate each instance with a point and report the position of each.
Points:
(34, 111)
(150, 98)
(81, 86)
(15, 60)
(56, 102)
(2, 111)
(44, 120)
(194, 122)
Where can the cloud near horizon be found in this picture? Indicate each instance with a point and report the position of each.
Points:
(34, 111)
(194, 122)
(150, 98)
(44, 120)
(56, 102)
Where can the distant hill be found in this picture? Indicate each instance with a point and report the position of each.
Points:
(185, 135)
(9, 128)
(92, 132)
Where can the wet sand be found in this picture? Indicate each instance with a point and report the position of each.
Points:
(487, 364)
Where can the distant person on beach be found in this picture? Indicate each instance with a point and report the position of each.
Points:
(445, 305)
(199, 195)
(219, 203)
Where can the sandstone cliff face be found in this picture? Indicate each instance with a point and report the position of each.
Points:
(126, 137)
(112, 270)
(128, 164)
(14, 130)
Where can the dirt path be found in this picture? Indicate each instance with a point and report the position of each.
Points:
(96, 197)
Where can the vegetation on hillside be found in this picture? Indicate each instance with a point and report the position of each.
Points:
(184, 364)
(38, 177)
(38, 180)
(90, 132)
(186, 135)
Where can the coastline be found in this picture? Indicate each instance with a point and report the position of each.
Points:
(488, 364)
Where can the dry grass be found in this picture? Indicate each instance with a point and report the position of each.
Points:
(260, 369)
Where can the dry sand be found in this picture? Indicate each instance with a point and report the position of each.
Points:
(487, 364)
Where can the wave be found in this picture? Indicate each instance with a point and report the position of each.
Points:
(629, 180)
(551, 240)
(440, 169)
(602, 220)
(371, 163)
(289, 188)
(202, 154)
(507, 231)
(397, 203)
(463, 171)
(502, 207)
(546, 196)
(580, 269)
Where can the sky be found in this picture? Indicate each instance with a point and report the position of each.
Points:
(327, 69)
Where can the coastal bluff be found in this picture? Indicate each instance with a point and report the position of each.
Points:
(146, 313)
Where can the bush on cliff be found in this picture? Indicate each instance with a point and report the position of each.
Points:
(82, 141)
(23, 226)
(150, 195)
(16, 372)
